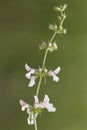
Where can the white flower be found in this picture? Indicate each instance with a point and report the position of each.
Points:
(55, 46)
(52, 46)
(30, 76)
(54, 73)
(32, 81)
(31, 118)
(30, 71)
(44, 104)
(31, 114)
(24, 105)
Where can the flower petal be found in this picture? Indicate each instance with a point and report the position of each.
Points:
(28, 75)
(51, 108)
(44, 104)
(27, 67)
(24, 105)
(31, 119)
(32, 81)
(55, 78)
(46, 99)
(56, 71)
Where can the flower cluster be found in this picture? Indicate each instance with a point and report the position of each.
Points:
(59, 28)
(33, 74)
(49, 46)
(34, 110)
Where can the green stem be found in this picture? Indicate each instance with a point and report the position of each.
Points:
(38, 87)
(43, 65)
(41, 76)
(63, 18)
(44, 60)
(52, 38)
(35, 124)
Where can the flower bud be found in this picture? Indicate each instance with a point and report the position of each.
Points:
(53, 27)
(42, 46)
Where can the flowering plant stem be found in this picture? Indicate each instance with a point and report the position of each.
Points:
(32, 74)
(41, 76)
(43, 65)
(35, 124)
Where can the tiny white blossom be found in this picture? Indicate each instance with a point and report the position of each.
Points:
(40, 69)
(24, 105)
(44, 104)
(61, 8)
(27, 67)
(45, 70)
(64, 31)
(31, 118)
(55, 46)
(32, 81)
(54, 73)
(43, 45)
(53, 27)
(30, 76)
(52, 46)
(30, 71)
(31, 114)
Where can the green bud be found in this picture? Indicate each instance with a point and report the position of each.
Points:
(61, 8)
(57, 9)
(61, 30)
(42, 46)
(52, 46)
(64, 7)
(53, 27)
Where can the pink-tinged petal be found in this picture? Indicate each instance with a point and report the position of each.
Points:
(32, 81)
(51, 109)
(44, 104)
(36, 99)
(27, 67)
(28, 75)
(54, 74)
(24, 105)
(47, 105)
(55, 78)
(56, 71)
(32, 71)
(46, 99)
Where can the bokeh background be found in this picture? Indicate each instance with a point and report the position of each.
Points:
(23, 25)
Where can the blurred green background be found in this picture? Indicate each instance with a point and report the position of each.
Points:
(23, 25)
